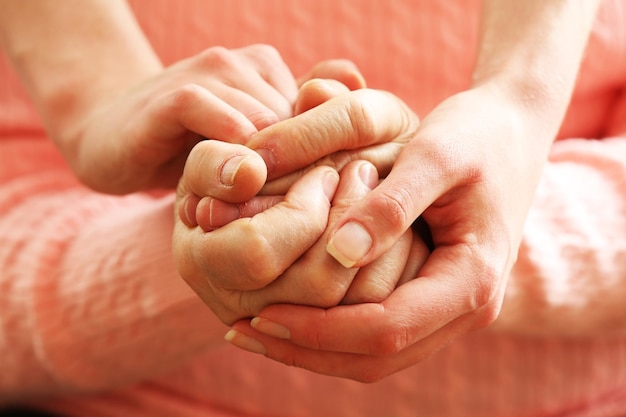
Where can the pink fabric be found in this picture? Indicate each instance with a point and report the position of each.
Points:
(93, 314)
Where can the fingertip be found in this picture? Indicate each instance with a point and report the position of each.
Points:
(187, 210)
(242, 176)
(270, 328)
(245, 342)
(317, 91)
(349, 244)
(229, 172)
(330, 183)
(212, 214)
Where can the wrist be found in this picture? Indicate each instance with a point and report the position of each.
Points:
(542, 102)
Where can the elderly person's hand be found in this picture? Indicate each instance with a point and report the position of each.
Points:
(241, 253)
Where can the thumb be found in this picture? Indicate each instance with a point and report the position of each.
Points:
(371, 226)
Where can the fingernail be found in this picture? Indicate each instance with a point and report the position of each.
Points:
(369, 175)
(230, 168)
(244, 342)
(349, 244)
(270, 328)
(222, 213)
(330, 182)
(187, 210)
(269, 157)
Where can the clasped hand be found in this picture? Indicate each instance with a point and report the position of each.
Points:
(469, 170)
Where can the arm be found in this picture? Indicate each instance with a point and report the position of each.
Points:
(570, 276)
(73, 54)
(122, 121)
(569, 279)
(87, 283)
(528, 60)
(471, 171)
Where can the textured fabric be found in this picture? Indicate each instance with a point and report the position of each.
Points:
(93, 315)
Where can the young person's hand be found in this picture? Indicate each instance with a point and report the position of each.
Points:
(141, 138)
(123, 122)
(470, 172)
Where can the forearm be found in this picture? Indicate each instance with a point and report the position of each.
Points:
(89, 297)
(533, 49)
(73, 54)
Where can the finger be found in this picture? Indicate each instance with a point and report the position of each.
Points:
(192, 108)
(417, 179)
(349, 121)
(269, 65)
(229, 172)
(367, 286)
(257, 71)
(359, 367)
(254, 251)
(418, 256)
(445, 290)
(316, 278)
(317, 91)
(243, 98)
(341, 70)
(381, 156)
(255, 98)
(210, 213)
(377, 280)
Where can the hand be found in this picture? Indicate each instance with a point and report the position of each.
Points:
(332, 127)
(208, 211)
(470, 171)
(278, 255)
(141, 138)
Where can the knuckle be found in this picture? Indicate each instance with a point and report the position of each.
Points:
(328, 293)
(485, 280)
(489, 315)
(258, 265)
(338, 160)
(307, 143)
(264, 51)
(265, 57)
(362, 118)
(483, 292)
(370, 292)
(184, 97)
(394, 340)
(263, 118)
(216, 57)
(370, 376)
(392, 207)
(326, 289)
